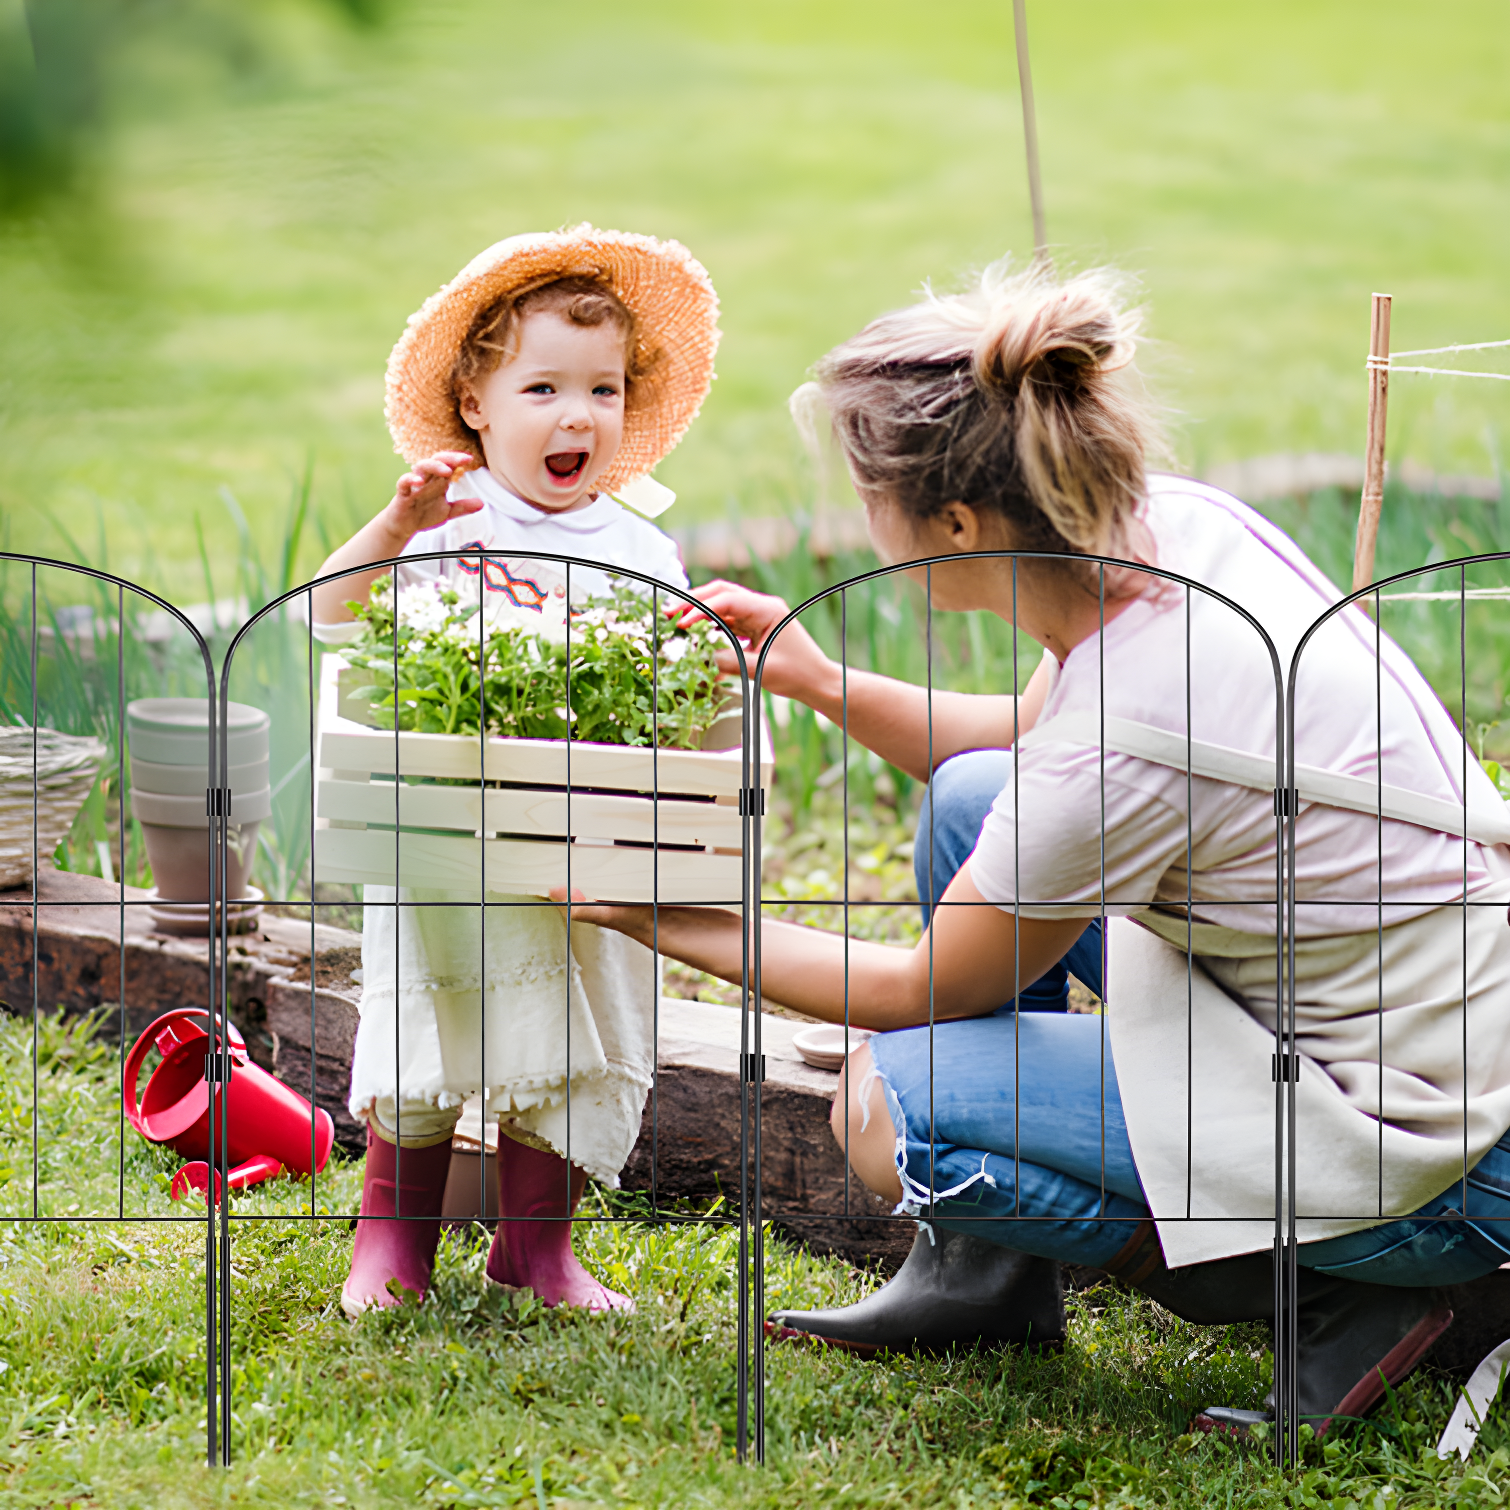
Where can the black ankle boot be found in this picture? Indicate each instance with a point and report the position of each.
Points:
(954, 1292)
(1219, 1293)
(1480, 1322)
(1353, 1340)
(1351, 1337)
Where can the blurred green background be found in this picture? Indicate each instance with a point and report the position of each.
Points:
(200, 291)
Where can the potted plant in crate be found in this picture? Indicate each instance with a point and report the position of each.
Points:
(518, 730)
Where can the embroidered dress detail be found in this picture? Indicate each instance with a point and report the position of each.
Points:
(521, 591)
(461, 999)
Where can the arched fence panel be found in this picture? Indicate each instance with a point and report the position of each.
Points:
(1396, 971)
(498, 733)
(98, 799)
(873, 761)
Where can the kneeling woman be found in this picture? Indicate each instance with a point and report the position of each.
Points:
(1140, 790)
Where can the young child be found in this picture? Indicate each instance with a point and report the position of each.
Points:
(573, 362)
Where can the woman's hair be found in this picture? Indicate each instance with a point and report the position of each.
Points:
(1017, 396)
(494, 335)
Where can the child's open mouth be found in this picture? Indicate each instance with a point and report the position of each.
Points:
(566, 466)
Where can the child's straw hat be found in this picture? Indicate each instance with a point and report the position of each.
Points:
(666, 287)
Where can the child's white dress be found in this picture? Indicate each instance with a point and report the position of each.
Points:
(452, 1005)
(458, 999)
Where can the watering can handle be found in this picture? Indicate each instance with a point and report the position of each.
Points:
(147, 1039)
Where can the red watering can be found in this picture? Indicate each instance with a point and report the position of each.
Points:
(269, 1125)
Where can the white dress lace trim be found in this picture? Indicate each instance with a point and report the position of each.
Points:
(458, 1000)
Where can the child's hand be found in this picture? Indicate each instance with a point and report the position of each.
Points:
(419, 503)
(419, 500)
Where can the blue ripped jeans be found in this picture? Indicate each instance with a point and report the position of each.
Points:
(1011, 1126)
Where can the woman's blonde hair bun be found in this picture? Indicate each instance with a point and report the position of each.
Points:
(1037, 329)
(1018, 394)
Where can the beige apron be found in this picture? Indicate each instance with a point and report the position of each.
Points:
(1192, 1037)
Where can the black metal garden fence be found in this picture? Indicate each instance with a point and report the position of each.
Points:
(354, 803)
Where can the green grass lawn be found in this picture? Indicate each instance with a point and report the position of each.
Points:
(482, 1397)
(222, 313)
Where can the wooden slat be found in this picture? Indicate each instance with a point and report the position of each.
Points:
(512, 811)
(520, 866)
(349, 747)
(536, 762)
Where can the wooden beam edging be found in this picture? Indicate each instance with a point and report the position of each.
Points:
(694, 1132)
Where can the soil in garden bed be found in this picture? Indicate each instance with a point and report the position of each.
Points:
(333, 967)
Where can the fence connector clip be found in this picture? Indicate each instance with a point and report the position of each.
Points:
(751, 1072)
(1286, 802)
(751, 801)
(1284, 1067)
(217, 801)
(214, 1068)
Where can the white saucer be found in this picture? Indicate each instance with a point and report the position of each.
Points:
(192, 919)
(823, 1045)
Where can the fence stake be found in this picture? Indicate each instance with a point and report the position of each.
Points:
(1373, 463)
(1030, 130)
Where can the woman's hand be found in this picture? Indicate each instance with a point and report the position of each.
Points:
(419, 498)
(796, 666)
(636, 922)
(890, 717)
(707, 938)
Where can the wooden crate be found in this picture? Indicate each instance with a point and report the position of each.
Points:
(510, 835)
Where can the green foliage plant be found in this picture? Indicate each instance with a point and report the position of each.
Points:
(614, 675)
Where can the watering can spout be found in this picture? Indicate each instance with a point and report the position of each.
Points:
(268, 1125)
(196, 1176)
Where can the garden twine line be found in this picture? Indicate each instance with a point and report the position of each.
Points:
(1472, 594)
(1389, 363)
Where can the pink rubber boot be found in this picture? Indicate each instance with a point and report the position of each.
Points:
(401, 1250)
(537, 1255)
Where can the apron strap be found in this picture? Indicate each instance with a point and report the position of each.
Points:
(1486, 823)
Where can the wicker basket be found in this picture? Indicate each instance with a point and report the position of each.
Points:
(66, 766)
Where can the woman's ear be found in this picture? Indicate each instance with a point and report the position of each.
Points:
(964, 527)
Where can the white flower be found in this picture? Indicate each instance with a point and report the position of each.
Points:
(421, 608)
(674, 650)
(549, 622)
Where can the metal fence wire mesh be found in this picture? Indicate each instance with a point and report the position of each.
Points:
(402, 958)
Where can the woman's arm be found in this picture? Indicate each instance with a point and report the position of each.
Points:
(963, 966)
(888, 716)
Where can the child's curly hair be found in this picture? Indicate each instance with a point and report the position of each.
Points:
(494, 335)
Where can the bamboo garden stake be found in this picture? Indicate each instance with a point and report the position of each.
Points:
(1030, 131)
(1373, 463)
